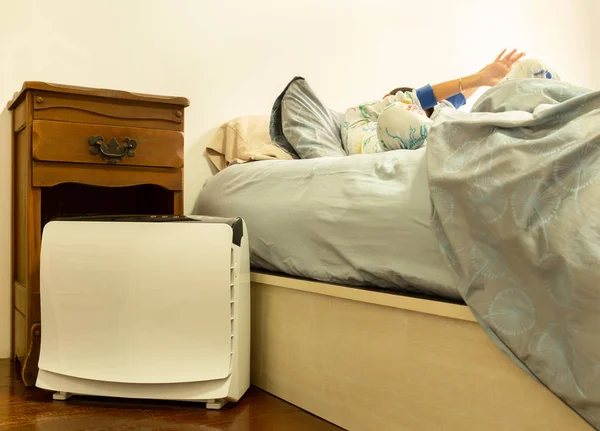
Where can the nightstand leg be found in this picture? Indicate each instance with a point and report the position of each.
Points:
(178, 203)
(34, 242)
(29, 370)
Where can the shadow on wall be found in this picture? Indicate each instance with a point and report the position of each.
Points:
(5, 231)
(193, 175)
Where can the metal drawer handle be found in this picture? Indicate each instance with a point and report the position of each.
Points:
(112, 151)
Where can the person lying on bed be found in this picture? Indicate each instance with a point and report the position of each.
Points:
(401, 120)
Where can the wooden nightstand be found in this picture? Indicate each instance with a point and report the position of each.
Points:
(84, 151)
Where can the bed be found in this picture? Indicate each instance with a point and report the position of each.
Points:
(362, 265)
(389, 346)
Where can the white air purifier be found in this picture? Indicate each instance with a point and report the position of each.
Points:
(151, 307)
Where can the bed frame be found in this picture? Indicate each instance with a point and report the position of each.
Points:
(367, 360)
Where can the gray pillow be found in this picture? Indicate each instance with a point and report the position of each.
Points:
(303, 126)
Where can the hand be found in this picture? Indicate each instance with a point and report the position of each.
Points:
(494, 72)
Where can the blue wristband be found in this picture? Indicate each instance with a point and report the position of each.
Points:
(428, 100)
(426, 97)
(457, 100)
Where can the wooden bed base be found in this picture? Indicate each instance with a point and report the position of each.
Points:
(374, 361)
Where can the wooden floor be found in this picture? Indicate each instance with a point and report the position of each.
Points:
(33, 409)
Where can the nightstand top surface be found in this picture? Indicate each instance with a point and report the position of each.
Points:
(94, 92)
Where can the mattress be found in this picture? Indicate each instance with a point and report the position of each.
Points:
(359, 220)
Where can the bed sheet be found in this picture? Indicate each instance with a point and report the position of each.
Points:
(358, 220)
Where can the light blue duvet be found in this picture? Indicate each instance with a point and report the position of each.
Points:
(516, 192)
(355, 220)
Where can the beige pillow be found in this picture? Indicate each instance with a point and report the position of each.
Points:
(241, 140)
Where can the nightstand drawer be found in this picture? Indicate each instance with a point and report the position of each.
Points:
(81, 109)
(56, 141)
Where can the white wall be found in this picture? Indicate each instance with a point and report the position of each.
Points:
(595, 47)
(234, 57)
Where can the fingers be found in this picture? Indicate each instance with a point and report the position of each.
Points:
(518, 57)
(510, 58)
(509, 55)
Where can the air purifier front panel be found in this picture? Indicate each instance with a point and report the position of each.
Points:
(136, 302)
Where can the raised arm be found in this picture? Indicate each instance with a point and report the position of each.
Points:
(489, 76)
